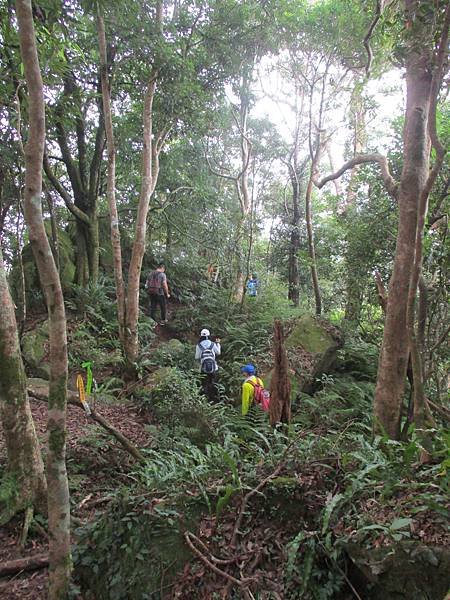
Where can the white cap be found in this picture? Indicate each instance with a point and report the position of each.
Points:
(204, 333)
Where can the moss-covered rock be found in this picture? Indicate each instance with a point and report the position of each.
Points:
(409, 570)
(173, 398)
(35, 348)
(128, 551)
(312, 346)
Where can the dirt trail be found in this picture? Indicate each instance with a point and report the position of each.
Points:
(96, 464)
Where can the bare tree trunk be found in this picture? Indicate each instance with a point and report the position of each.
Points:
(149, 178)
(354, 287)
(24, 477)
(148, 182)
(310, 231)
(242, 183)
(415, 185)
(280, 386)
(111, 180)
(58, 499)
(54, 228)
(294, 278)
(22, 291)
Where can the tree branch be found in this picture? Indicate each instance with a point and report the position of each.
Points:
(436, 81)
(389, 182)
(77, 212)
(366, 41)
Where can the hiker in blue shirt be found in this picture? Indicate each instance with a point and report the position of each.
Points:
(253, 285)
(206, 352)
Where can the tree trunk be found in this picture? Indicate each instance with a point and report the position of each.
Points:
(93, 246)
(395, 347)
(24, 482)
(111, 177)
(310, 231)
(353, 302)
(58, 499)
(242, 182)
(81, 270)
(280, 386)
(148, 182)
(294, 247)
(54, 228)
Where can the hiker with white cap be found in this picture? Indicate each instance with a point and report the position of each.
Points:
(206, 353)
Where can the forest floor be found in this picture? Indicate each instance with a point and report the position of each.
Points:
(96, 464)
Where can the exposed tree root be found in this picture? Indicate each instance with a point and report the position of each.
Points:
(29, 513)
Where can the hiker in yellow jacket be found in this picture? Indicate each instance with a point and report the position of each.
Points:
(248, 390)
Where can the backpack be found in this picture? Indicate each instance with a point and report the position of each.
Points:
(252, 287)
(262, 396)
(208, 359)
(153, 283)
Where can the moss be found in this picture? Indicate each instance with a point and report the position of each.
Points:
(283, 500)
(408, 570)
(127, 551)
(56, 440)
(34, 347)
(310, 335)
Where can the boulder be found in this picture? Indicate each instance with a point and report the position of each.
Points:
(35, 348)
(311, 346)
(408, 570)
(136, 548)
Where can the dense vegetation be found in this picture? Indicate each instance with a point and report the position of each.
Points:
(302, 141)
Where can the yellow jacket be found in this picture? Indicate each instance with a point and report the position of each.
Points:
(248, 393)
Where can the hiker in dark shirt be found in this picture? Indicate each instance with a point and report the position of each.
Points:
(158, 290)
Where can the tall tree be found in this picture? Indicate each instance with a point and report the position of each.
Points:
(424, 70)
(111, 175)
(24, 483)
(425, 63)
(58, 498)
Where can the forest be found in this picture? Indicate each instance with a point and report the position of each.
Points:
(224, 300)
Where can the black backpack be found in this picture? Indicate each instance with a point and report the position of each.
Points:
(208, 359)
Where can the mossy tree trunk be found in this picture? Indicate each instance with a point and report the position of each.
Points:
(83, 172)
(58, 499)
(24, 484)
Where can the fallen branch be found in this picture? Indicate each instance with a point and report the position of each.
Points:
(441, 410)
(219, 561)
(12, 567)
(209, 564)
(72, 398)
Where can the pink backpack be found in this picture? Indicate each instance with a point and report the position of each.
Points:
(262, 396)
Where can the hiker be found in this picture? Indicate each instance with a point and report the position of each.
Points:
(206, 353)
(253, 285)
(253, 391)
(158, 290)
